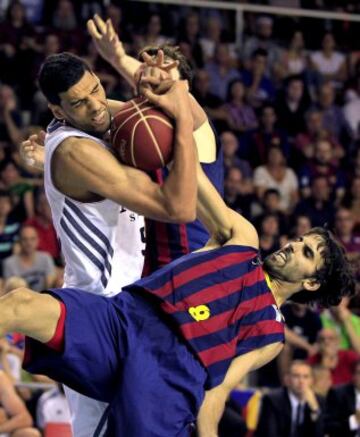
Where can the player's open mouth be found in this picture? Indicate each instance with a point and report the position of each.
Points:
(282, 255)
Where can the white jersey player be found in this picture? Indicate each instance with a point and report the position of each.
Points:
(91, 194)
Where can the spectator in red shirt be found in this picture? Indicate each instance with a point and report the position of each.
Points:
(42, 222)
(341, 363)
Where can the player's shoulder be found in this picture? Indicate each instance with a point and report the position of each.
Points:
(79, 148)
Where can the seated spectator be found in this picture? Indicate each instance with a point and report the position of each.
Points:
(201, 91)
(351, 201)
(345, 323)
(333, 117)
(292, 105)
(52, 407)
(42, 222)
(230, 146)
(276, 174)
(340, 362)
(237, 193)
(21, 192)
(238, 116)
(269, 234)
(302, 225)
(268, 134)
(262, 40)
(152, 35)
(343, 405)
(293, 410)
(36, 267)
(9, 229)
(259, 87)
(189, 34)
(10, 117)
(271, 205)
(322, 381)
(15, 419)
(306, 324)
(305, 141)
(329, 63)
(351, 110)
(344, 230)
(318, 206)
(323, 164)
(293, 60)
(221, 71)
(214, 35)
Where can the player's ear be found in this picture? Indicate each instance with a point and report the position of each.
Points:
(311, 284)
(57, 111)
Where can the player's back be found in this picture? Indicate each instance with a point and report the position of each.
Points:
(101, 242)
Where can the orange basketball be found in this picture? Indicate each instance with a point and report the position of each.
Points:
(142, 135)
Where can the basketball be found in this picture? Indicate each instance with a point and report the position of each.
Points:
(142, 135)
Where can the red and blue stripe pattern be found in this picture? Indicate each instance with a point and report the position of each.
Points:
(230, 284)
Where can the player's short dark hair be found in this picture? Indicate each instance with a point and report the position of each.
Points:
(60, 72)
(335, 276)
(174, 53)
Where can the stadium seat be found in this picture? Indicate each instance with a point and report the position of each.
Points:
(58, 430)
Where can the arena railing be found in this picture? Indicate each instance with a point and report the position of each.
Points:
(240, 9)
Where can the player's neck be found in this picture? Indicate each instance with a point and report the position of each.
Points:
(280, 290)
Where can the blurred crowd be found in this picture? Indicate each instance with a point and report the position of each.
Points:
(285, 102)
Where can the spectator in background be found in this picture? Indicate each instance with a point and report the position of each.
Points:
(9, 228)
(237, 194)
(323, 164)
(230, 146)
(294, 410)
(293, 60)
(262, 40)
(221, 71)
(214, 35)
(343, 405)
(345, 323)
(189, 33)
(322, 382)
(344, 230)
(292, 105)
(328, 63)
(306, 324)
(52, 407)
(42, 222)
(269, 234)
(36, 267)
(15, 419)
(351, 201)
(351, 110)
(333, 117)
(152, 35)
(260, 87)
(239, 116)
(315, 131)
(201, 90)
(21, 193)
(10, 117)
(318, 206)
(302, 225)
(276, 174)
(340, 362)
(266, 136)
(271, 204)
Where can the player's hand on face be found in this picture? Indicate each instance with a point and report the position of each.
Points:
(171, 96)
(159, 61)
(32, 151)
(105, 38)
(144, 72)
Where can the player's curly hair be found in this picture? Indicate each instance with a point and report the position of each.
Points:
(60, 72)
(174, 53)
(335, 276)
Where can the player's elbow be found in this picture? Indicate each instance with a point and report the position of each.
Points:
(182, 213)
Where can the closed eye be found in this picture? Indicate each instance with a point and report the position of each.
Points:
(308, 253)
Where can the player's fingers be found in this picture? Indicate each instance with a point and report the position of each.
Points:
(91, 27)
(159, 58)
(151, 96)
(170, 66)
(148, 59)
(100, 23)
(150, 80)
(42, 135)
(110, 29)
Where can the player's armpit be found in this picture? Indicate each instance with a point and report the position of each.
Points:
(92, 170)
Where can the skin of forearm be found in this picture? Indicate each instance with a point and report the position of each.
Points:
(14, 132)
(295, 340)
(183, 169)
(210, 413)
(21, 420)
(127, 66)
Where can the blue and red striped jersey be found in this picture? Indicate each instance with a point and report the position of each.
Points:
(221, 304)
(166, 242)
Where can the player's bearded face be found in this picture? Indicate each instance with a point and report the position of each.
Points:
(297, 260)
(85, 106)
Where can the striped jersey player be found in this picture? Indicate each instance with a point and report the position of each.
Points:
(167, 351)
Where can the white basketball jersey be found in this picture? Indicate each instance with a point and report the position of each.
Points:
(102, 243)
